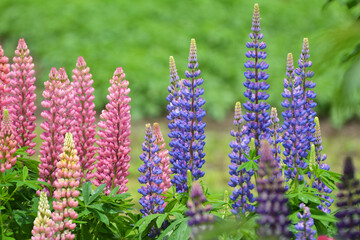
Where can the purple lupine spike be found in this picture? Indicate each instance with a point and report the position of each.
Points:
(67, 179)
(190, 138)
(240, 180)
(4, 81)
(348, 204)
(318, 184)
(23, 97)
(272, 203)
(200, 220)
(84, 116)
(151, 199)
(8, 144)
(257, 117)
(43, 224)
(114, 143)
(294, 123)
(165, 159)
(54, 128)
(304, 227)
(308, 94)
(274, 134)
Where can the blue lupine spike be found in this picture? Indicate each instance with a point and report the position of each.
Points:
(305, 226)
(274, 134)
(257, 116)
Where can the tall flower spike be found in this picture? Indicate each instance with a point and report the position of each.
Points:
(257, 117)
(66, 183)
(240, 180)
(67, 93)
(114, 143)
(304, 227)
(308, 94)
(43, 224)
(165, 159)
(4, 81)
(8, 144)
(272, 203)
(294, 123)
(348, 204)
(274, 133)
(23, 97)
(54, 125)
(200, 220)
(151, 201)
(190, 125)
(84, 115)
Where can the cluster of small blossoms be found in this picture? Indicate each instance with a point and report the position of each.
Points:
(188, 141)
(67, 180)
(43, 225)
(272, 203)
(84, 117)
(308, 95)
(114, 143)
(4, 81)
(67, 93)
(274, 134)
(348, 203)
(304, 227)
(294, 123)
(165, 159)
(55, 112)
(151, 201)
(8, 144)
(240, 179)
(200, 220)
(23, 97)
(257, 117)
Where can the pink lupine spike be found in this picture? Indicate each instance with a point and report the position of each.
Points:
(84, 117)
(57, 109)
(114, 143)
(165, 159)
(4, 81)
(8, 144)
(43, 224)
(68, 99)
(66, 183)
(23, 97)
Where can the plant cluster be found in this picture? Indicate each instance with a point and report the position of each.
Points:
(282, 188)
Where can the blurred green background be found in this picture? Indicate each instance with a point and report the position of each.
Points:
(141, 35)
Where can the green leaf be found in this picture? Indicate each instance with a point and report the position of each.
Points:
(25, 173)
(182, 232)
(170, 228)
(101, 216)
(170, 205)
(160, 220)
(86, 190)
(96, 193)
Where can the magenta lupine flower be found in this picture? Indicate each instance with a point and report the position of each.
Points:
(114, 143)
(67, 180)
(23, 97)
(4, 81)
(84, 116)
(8, 144)
(54, 114)
(165, 159)
(43, 224)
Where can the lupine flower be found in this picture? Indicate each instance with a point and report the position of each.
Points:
(257, 117)
(272, 203)
(165, 159)
(200, 220)
(4, 81)
(308, 95)
(240, 180)
(304, 227)
(66, 183)
(114, 143)
(151, 201)
(274, 134)
(191, 135)
(84, 116)
(67, 94)
(55, 112)
(348, 204)
(318, 143)
(23, 97)
(8, 144)
(294, 123)
(43, 224)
